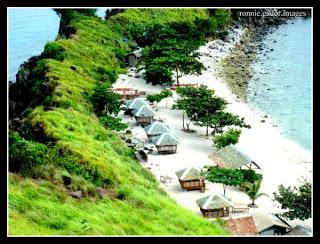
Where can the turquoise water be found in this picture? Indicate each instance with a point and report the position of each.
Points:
(281, 87)
(29, 30)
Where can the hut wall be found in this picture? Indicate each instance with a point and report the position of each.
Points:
(215, 213)
(144, 120)
(190, 185)
(167, 149)
(274, 230)
(133, 60)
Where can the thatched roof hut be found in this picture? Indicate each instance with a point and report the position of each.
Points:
(232, 158)
(137, 103)
(134, 57)
(156, 129)
(299, 231)
(166, 143)
(241, 226)
(270, 224)
(215, 205)
(144, 115)
(190, 179)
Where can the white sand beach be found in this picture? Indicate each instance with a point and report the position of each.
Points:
(281, 161)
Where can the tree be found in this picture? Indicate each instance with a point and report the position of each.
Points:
(231, 136)
(104, 100)
(228, 177)
(295, 200)
(203, 108)
(252, 190)
(113, 123)
(165, 93)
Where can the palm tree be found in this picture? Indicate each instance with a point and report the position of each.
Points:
(252, 190)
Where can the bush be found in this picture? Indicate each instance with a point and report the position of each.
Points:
(107, 74)
(113, 123)
(54, 51)
(250, 175)
(231, 136)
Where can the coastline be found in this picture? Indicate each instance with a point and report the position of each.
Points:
(282, 161)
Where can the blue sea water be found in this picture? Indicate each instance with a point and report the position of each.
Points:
(282, 85)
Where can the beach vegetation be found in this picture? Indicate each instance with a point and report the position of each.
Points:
(231, 136)
(252, 189)
(54, 51)
(295, 200)
(165, 93)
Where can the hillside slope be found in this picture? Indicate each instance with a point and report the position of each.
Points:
(39, 203)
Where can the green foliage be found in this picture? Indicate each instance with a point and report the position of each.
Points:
(203, 108)
(107, 74)
(227, 177)
(54, 51)
(113, 123)
(249, 175)
(252, 190)
(154, 98)
(104, 100)
(165, 93)
(296, 200)
(231, 136)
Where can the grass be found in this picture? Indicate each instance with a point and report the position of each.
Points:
(42, 207)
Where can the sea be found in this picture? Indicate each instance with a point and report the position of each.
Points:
(281, 87)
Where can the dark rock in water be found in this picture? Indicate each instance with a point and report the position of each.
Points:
(101, 192)
(73, 67)
(66, 180)
(268, 89)
(255, 94)
(76, 194)
(274, 41)
(137, 76)
(275, 126)
(128, 140)
(271, 49)
(262, 121)
(266, 116)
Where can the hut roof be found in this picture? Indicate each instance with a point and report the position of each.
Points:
(137, 103)
(299, 231)
(157, 128)
(190, 173)
(165, 139)
(231, 157)
(138, 53)
(242, 226)
(264, 221)
(214, 201)
(144, 111)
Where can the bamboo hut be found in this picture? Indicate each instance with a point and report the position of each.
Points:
(166, 143)
(190, 179)
(156, 129)
(144, 115)
(270, 224)
(241, 226)
(231, 158)
(135, 104)
(134, 57)
(214, 206)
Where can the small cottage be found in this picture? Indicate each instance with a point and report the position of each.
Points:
(156, 129)
(241, 226)
(135, 104)
(190, 179)
(144, 115)
(134, 57)
(214, 206)
(166, 143)
(270, 224)
(232, 158)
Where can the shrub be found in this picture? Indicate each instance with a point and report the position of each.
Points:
(54, 51)
(231, 136)
(107, 74)
(113, 123)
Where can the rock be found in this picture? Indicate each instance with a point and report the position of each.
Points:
(121, 196)
(266, 116)
(101, 192)
(128, 131)
(76, 194)
(73, 67)
(262, 121)
(275, 126)
(129, 140)
(268, 89)
(66, 180)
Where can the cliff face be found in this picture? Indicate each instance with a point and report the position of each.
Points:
(84, 181)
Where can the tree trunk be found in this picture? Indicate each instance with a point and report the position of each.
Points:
(224, 189)
(207, 130)
(177, 77)
(183, 120)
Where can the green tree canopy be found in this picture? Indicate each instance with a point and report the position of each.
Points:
(295, 200)
(231, 136)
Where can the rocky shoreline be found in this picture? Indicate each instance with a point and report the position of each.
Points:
(235, 68)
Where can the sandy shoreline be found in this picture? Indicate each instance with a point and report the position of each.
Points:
(282, 161)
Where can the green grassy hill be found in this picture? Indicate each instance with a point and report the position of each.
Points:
(39, 203)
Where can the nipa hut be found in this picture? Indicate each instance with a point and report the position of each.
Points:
(136, 104)
(270, 224)
(214, 206)
(241, 226)
(134, 57)
(166, 143)
(156, 129)
(144, 115)
(190, 179)
(232, 158)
